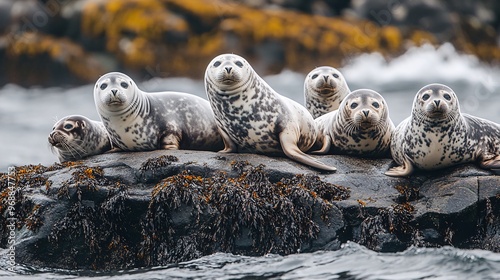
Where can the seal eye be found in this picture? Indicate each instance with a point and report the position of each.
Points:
(124, 85)
(336, 76)
(103, 86)
(68, 126)
(239, 63)
(217, 63)
(376, 105)
(425, 97)
(354, 105)
(447, 96)
(314, 76)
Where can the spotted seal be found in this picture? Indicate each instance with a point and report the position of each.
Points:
(76, 137)
(252, 117)
(438, 135)
(140, 121)
(324, 88)
(361, 126)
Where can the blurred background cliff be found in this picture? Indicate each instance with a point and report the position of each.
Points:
(73, 42)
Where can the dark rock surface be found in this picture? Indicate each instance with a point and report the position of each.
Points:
(125, 210)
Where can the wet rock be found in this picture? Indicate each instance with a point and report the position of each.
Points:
(125, 210)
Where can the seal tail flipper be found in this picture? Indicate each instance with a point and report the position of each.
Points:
(289, 146)
(327, 143)
(406, 169)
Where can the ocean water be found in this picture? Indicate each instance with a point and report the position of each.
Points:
(27, 117)
(351, 262)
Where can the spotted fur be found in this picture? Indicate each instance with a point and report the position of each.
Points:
(361, 126)
(252, 117)
(143, 121)
(438, 135)
(76, 137)
(324, 88)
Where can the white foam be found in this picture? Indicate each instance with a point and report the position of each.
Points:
(423, 65)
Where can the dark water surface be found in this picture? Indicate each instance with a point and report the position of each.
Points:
(27, 117)
(351, 262)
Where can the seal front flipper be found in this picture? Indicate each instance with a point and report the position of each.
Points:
(327, 143)
(114, 150)
(491, 163)
(170, 142)
(406, 169)
(289, 146)
(229, 145)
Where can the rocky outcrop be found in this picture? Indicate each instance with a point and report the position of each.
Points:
(125, 210)
(159, 38)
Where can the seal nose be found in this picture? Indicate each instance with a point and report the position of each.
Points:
(325, 78)
(437, 102)
(228, 69)
(114, 92)
(366, 112)
(51, 139)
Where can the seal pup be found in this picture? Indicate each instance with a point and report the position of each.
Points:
(76, 137)
(361, 126)
(324, 88)
(438, 135)
(252, 117)
(143, 121)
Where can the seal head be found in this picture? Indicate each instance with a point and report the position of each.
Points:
(76, 137)
(324, 88)
(361, 126)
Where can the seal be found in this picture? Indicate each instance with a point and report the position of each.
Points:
(141, 121)
(252, 117)
(438, 135)
(76, 137)
(324, 88)
(361, 126)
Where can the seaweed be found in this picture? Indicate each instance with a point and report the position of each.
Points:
(190, 216)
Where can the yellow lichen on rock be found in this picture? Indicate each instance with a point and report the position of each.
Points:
(137, 32)
(61, 50)
(419, 38)
(129, 18)
(391, 38)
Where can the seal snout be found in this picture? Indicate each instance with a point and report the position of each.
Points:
(437, 108)
(55, 138)
(114, 98)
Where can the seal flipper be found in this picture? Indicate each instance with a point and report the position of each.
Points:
(229, 145)
(491, 163)
(289, 145)
(406, 169)
(170, 142)
(327, 143)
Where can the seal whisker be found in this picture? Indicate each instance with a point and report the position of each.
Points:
(79, 143)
